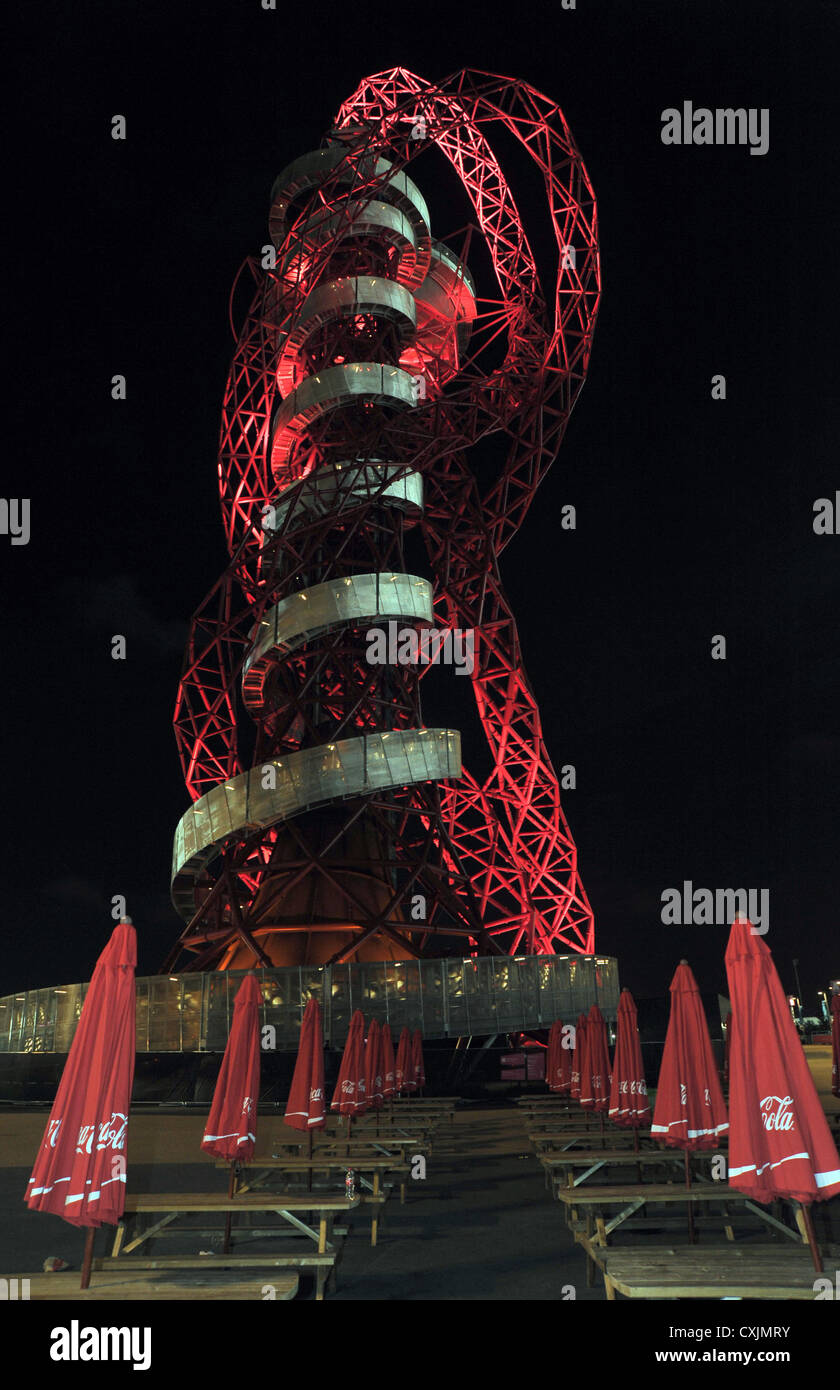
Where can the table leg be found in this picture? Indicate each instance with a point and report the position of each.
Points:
(590, 1263)
(374, 1225)
(144, 1235)
(573, 1211)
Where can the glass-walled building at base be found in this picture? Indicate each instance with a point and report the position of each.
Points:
(476, 996)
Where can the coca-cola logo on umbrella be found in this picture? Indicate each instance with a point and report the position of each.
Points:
(777, 1114)
(109, 1134)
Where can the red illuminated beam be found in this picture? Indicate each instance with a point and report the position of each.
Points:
(313, 389)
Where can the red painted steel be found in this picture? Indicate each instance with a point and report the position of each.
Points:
(503, 841)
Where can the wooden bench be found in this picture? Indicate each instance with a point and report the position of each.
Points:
(126, 1286)
(762, 1272)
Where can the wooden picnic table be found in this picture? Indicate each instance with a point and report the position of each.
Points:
(563, 1139)
(397, 1146)
(254, 1175)
(367, 1125)
(580, 1119)
(292, 1207)
(544, 1102)
(422, 1129)
(433, 1107)
(593, 1160)
(631, 1197)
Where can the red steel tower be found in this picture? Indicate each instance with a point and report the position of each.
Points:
(328, 823)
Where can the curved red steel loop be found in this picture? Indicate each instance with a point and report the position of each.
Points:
(509, 832)
(522, 792)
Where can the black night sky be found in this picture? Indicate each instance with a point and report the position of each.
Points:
(695, 517)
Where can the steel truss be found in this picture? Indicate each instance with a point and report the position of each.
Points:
(366, 368)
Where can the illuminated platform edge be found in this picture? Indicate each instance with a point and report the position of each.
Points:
(448, 998)
(351, 767)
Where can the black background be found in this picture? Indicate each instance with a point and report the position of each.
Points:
(694, 516)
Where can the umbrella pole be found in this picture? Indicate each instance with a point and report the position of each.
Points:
(691, 1235)
(229, 1215)
(88, 1258)
(309, 1184)
(807, 1222)
(639, 1172)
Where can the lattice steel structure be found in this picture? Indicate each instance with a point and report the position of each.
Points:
(328, 822)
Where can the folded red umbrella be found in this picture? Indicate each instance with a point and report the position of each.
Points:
(417, 1055)
(578, 1056)
(595, 1068)
(629, 1102)
(690, 1112)
(80, 1171)
(779, 1143)
(563, 1078)
(374, 1085)
(350, 1095)
(552, 1056)
(388, 1064)
(403, 1073)
(727, 1049)
(232, 1123)
(835, 1044)
(306, 1107)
